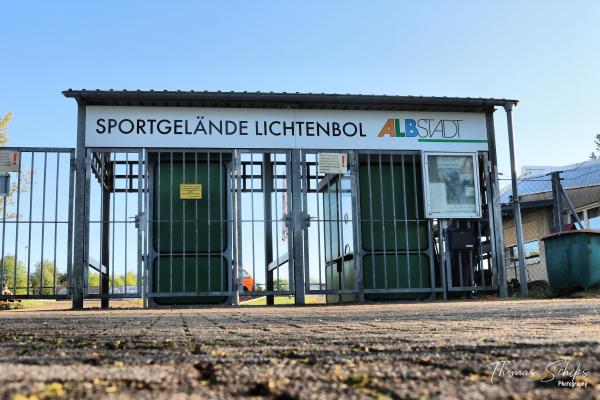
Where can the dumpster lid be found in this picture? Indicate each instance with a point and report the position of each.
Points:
(564, 233)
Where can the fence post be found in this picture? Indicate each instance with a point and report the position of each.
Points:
(353, 161)
(267, 172)
(77, 277)
(297, 227)
(557, 202)
(508, 107)
(495, 213)
(105, 239)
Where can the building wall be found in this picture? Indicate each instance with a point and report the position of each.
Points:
(536, 224)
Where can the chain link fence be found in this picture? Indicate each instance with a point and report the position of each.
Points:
(552, 199)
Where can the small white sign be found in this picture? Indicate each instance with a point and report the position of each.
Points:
(332, 163)
(9, 161)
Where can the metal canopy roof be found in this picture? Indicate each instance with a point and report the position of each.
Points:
(296, 100)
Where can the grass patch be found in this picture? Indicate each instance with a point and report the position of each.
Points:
(32, 303)
(283, 300)
(17, 305)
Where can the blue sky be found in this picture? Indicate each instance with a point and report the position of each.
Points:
(544, 53)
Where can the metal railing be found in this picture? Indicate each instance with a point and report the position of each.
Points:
(37, 225)
(266, 223)
(114, 245)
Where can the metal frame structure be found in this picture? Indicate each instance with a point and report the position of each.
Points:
(297, 171)
(271, 170)
(39, 206)
(399, 217)
(483, 273)
(115, 173)
(226, 216)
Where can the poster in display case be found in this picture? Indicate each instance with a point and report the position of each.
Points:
(451, 185)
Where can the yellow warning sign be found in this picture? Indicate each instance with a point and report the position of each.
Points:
(190, 191)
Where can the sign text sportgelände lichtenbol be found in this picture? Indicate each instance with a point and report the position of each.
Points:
(179, 127)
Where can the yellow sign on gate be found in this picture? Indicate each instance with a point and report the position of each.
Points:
(190, 191)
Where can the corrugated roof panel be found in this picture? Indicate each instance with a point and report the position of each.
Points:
(573, 176)
(274, 100)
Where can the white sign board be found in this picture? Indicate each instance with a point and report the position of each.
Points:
(9, 161)
(253, 128)
(451, 185)
(332, 163)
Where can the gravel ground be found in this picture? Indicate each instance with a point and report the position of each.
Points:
(417, 350)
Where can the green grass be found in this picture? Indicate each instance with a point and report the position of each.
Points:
(283, 300)
(16, 305)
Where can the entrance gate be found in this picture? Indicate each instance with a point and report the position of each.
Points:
(352, 235)
(263, 223)
(115, 233)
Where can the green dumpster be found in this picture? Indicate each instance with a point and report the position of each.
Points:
(339, 265)
(202, 223)
(573, 259)
(394, 228)
(339, 275)
(192, 273)
(189, 237)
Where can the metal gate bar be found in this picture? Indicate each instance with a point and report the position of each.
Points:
(190, 223)
(35, 193)
(299, 194)
(406, 259)
(330, 201)
(265, 197)
(114, 212)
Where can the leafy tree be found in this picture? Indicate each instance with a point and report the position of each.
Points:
(42, 279)
(93, 279)
(9, 275)
(131, 279)
(120, 280)
(26, 177)
(596, 151)
(281, 284)
(4, 130)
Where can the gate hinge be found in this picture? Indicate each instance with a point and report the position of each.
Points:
(301, 219)
(140, 221)
(304, 220)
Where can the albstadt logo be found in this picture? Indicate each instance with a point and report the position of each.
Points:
(426, 130)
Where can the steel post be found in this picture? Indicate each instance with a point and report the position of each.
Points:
(495, 213)
(105, 240)
(298, 226)
(238, 265)
(571, 207)
(515, 200)
(557, 203)
(356, 221)
(77, 284)
(267, 186)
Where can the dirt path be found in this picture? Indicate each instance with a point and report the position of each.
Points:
(428, 350)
